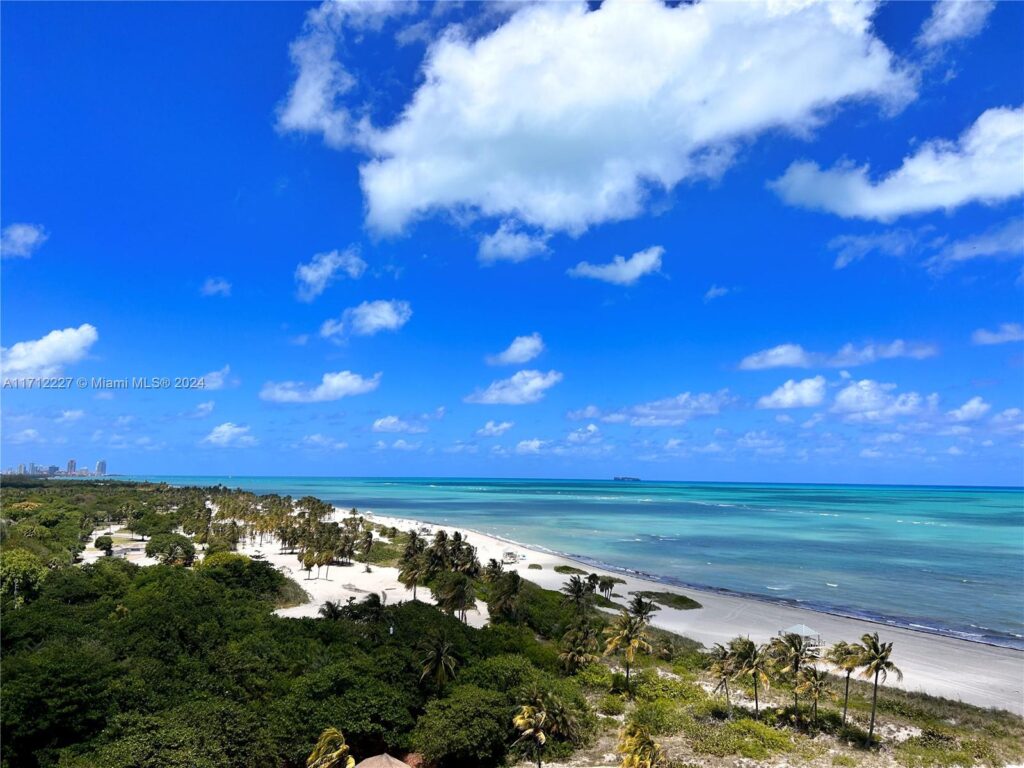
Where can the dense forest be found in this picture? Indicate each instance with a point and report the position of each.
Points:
(184, 663)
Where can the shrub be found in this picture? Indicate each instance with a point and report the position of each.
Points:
(595, 676)
(468, 728)
(106, 543)
(535, 567)
(570, 570)
(658, 716)
(611, 705)
(171, 548)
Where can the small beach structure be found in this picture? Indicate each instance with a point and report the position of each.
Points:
(510, 556)
(804, 631)
(382, 761)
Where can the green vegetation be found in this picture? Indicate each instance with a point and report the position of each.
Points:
(671, 600)
(184, 664)
(569, 570)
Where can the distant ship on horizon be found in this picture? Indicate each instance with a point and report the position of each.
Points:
(626, 479)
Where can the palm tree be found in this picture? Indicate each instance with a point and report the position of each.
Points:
(366, 544)
(605, 585)
(438, 662)
(845, 656)
(577, 594)
(876, 663)
(642, 608)
(530, 722)
(455, 594)
(506, 594)
(493, 570)
(639, 749)
(815, 684)
(722, 668)
(578, 646)
(412, 572)
(791, 652)
(752, 661)
(627, 634)
(330, 751)
(331, 610)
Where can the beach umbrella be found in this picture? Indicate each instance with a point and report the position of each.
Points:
(382, 761)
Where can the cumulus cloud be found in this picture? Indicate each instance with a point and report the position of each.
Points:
(48, 356)
(24, 436)
(983, 166)
(851, 248)
(954, 20)
(21, 240)
(796, 394)
(522, 388)
(510, 243)
(622, 271)
(588, 434)
(70, 416)
(871, 401)
(530, 447)
(321, 442)
(1005, 333)
(672, 411)
(395, 424)
(557, 117)
(494, 428)
(314, 104)
(314, 277)
(229, 435)
(397, 445)
(333, 386)
(216, 286)
(202, 410)
(219, 379)
(972, 410)
(521, 350)
(587, 412)
(847, 356)
(369, 318)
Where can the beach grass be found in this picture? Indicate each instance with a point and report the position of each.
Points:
(671, 600)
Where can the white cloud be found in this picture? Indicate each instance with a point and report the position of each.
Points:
(203, 410)
(369, 318)
(954, 451)
(67, 417)
(24, 436)
(872, 453)
(982, 166)
(495, 429)
(761, 442)
(395, 424)
(313, 104)
(510, 243)
(871, 401)
(1006, 332)
(622, 271)
(48, 356)
(848, 356)
(796, 394)
(229, 435)
(333, 386)
(717, 292)
(216, 286)
(782, 356)
(953, 20)
(219, 379)
(397, 445)
(521, 350)
(588, 434)
(851, 248)
(322, 442)
(587, 412)
(520, 389)
(673, 411)
(565, 116)
(314, 277)
(21, 240)
(972, 410)
(530, 447)
(1003, 242)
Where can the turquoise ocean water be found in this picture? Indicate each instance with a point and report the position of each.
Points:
(942, 559)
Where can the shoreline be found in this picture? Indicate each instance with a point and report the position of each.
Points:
(978, 673)
(668, 581)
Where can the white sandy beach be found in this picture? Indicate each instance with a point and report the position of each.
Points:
(975, 673)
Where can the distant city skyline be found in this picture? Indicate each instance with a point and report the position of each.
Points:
(53, 470)
(784, 243)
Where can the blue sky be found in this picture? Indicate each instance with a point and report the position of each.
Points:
(714, 242)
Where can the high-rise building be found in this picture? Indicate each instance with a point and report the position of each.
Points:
(32, 468)
(72, 466)
(101, 467)
(21, 469)
(53, 469)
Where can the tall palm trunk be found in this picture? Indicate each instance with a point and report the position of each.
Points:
(757, 707)
(846, 699)
(728, 701)
(874, 703)
(414, 597)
